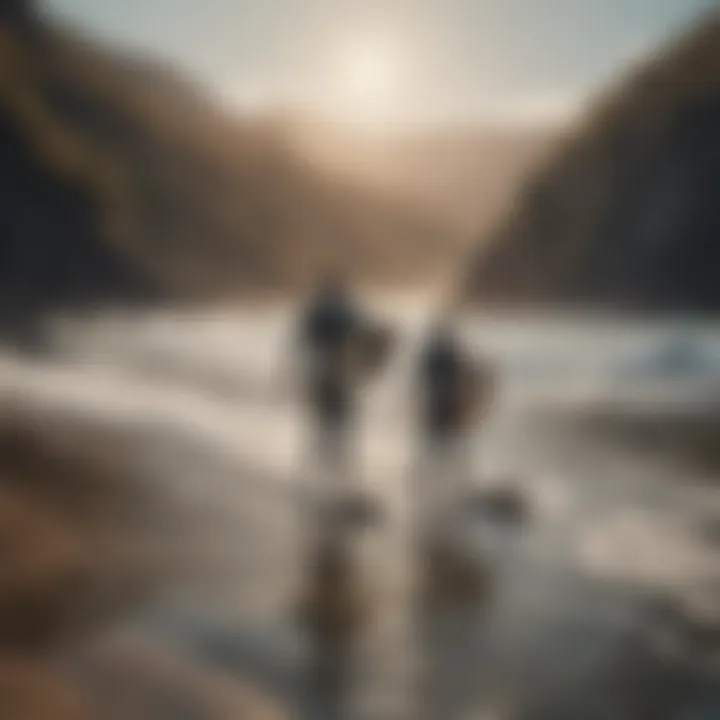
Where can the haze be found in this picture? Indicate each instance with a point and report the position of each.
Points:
(517, 61)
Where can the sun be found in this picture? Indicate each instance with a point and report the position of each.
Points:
(370, 72)
(367, 80)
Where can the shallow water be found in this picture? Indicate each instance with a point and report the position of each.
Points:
(210, 400)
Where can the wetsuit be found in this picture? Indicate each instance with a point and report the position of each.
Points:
(330, 330)
(442, 374)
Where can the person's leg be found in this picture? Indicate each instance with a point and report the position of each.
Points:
(462, 471)
(337, 429)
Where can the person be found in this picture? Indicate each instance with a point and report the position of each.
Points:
(330, 330)
(454, 390)
(440, 374)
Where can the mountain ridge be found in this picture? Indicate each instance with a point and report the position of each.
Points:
(624, 214)
(125, 183)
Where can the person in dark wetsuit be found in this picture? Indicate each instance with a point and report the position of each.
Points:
(442, 369)
(454, 392)
(330, 330)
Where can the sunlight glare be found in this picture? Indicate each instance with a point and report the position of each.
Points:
(368, 81)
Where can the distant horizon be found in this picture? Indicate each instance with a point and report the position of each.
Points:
(402, 126)
(394, 65)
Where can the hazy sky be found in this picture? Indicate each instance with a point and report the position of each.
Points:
(530, 60)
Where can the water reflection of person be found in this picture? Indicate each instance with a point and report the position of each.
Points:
(333, 614)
